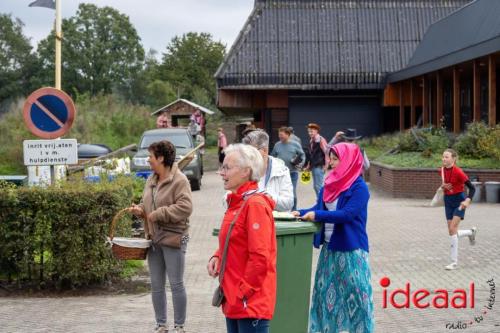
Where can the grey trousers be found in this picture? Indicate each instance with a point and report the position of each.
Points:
(165, 261)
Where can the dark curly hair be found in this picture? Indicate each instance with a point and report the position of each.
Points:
(163, 148)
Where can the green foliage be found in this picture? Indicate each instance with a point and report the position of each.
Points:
(101, 51)
(479, 141)
(17, 62)
(478, 147)
(110, 121)
(416, 160)
(490, 144)
(56, 235)
(190, 64)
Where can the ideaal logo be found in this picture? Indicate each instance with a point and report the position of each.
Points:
(440, 299)
(420, 297)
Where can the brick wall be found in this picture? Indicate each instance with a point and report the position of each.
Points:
(417, 183)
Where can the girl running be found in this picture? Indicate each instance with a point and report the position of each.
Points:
(455, 202)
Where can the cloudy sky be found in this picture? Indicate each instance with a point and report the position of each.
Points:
(156, 21)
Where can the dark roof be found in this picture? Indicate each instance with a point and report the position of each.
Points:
(336, 44)
(182, 100)
(469, 33)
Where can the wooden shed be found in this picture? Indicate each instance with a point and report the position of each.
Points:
(179, 113)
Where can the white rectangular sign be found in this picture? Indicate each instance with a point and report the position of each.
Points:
(50, 152)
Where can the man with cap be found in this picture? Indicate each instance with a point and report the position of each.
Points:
(350, 135)
(317, 159)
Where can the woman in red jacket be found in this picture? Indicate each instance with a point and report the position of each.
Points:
(249, 280)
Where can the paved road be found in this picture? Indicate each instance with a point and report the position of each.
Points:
(409, 243)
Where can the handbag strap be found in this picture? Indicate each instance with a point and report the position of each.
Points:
(442, 174)
(224, 253)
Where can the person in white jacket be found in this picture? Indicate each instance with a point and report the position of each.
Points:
(276, 180)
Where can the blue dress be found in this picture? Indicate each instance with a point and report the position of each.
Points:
(342, 297)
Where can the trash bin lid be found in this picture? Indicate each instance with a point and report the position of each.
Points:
(291, 228)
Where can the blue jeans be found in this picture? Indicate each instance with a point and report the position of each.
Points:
(247, 325)
(318, 175)
(294, 176)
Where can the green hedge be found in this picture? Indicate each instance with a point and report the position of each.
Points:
(56, 236)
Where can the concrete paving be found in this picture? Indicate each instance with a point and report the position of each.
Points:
(409, 243)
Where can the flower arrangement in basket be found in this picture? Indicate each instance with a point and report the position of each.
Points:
(124, 248)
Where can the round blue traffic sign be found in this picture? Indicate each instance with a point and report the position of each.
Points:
(49, 113)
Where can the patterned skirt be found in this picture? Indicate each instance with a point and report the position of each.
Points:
(342, 299)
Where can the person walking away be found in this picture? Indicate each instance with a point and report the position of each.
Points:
(275, 179)
(291, 153)
(342, 299)
(221, 144)
(294, 137)
(248, 278)
(167, 202)
(455, 203)
(318, 156)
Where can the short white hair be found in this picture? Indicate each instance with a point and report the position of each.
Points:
(249, 157)
(257, 138)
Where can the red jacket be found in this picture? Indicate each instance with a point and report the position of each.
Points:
(250, 273)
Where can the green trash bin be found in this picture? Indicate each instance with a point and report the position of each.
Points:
(294, 264)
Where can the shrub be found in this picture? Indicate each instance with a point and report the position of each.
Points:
(56, 235)
(467, 143)
(490, 144)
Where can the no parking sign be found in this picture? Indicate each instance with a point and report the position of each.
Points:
(49, 113)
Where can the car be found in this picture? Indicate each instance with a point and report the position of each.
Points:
(183, 143)
(89, 150)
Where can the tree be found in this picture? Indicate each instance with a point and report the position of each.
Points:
(190, 64)
(101, 52)
(17, 62)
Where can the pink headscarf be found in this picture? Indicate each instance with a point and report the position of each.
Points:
(347, 171)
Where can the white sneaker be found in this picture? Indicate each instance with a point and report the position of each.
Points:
(160, 329)
(451, 266)
(179, 329)
(472, 238)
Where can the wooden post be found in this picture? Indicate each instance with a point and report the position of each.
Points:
(492, 91)
(413, 120)
(456, 100)
(401, 108)
(439, 99)
(476, 91)
(425, 102)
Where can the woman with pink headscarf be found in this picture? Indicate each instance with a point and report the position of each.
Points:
(342, 297)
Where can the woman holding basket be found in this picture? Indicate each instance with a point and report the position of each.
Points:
(167, 203)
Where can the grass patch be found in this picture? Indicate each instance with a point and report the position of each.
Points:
(131, 268)
(416, 160)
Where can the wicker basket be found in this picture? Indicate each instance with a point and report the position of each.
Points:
(127, 248)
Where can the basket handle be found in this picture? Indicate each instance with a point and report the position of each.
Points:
(119, 214)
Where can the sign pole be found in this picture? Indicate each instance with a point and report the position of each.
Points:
(58, 45)
(58, 69)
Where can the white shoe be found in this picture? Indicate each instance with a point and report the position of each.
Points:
(161, 329)
(472, 238)
(451, 266)
(179, 329)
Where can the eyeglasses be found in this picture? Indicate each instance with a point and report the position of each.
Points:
(225, 168)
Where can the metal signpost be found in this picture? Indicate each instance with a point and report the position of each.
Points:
(49, 114)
